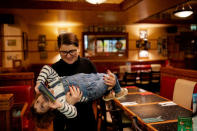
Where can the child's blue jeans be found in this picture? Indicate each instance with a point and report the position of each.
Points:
(91, 85)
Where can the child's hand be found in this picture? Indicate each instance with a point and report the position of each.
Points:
(110, 79)
(36, 88)
(74, 95)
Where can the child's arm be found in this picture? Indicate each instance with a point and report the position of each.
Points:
(36, 87)
(44, 74)
(42, 77)
(47, 74)
(67, 109)
(72, 97)
(56, 104)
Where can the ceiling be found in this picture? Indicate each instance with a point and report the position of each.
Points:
(79, 12)
(168, 17)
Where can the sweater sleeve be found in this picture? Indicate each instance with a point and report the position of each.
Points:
(68, 110)
(43, 75)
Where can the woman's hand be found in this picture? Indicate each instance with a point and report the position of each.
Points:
(74, 95)
(110, 79)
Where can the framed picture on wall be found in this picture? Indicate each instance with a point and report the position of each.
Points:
(43, 55)
(11, 42)
(17, 63)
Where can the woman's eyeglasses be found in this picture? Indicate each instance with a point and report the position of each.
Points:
(70, 52)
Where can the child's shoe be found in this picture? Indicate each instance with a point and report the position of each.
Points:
(109, 88)
(122, 93)
(109, 96)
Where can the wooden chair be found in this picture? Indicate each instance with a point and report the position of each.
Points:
(145, 80)
(155, 80)
(130, 78)
(135, 124)
(183, 91)
(111, 116)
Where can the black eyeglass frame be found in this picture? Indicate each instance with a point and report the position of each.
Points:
(70, 52)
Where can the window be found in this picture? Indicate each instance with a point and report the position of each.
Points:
(105, 45)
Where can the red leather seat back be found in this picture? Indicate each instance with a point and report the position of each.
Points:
(22, 93)
(195, 89)
(167, 86)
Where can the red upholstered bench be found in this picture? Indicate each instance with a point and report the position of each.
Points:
(167, 87)
(22, 94)
(169, 76)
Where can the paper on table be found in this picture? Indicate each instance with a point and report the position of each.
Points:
(194, 119)
(170, 103)
(146, 93)
(129, 103)
(142, 90)
(153, 119)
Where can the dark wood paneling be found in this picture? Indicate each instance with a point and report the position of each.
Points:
(179, 73)
(23, 78)
(59, 5)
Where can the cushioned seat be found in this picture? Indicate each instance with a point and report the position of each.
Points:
(183, 91)
(22, 94)
(130, 78)
(145, 80)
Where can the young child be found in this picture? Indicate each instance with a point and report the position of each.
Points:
(91, 85)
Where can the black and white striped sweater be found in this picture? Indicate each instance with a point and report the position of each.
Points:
(47, 74)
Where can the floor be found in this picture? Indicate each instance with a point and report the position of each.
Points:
(127, 129)
(124, 129)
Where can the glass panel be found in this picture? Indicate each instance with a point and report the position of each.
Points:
(102, 45)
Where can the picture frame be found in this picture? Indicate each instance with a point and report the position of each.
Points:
(17, 63)
(25, 45)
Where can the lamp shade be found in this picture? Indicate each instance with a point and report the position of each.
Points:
(183, 11)
(95, 1)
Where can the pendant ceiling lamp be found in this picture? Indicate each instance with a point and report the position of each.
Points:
(95, 1)
(183, 11)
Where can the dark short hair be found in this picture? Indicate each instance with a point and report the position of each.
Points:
(67, 39)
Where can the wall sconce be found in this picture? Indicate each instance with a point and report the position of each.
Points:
(183, 11)
(143, 34)
(143, 54)
(62, 30)
(42, 42)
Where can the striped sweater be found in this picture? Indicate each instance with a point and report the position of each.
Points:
(47, 74)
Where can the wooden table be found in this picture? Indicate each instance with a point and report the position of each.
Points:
(6, 103)
(134, 89)
(142, 98)
(148, 108)
(164, 126)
